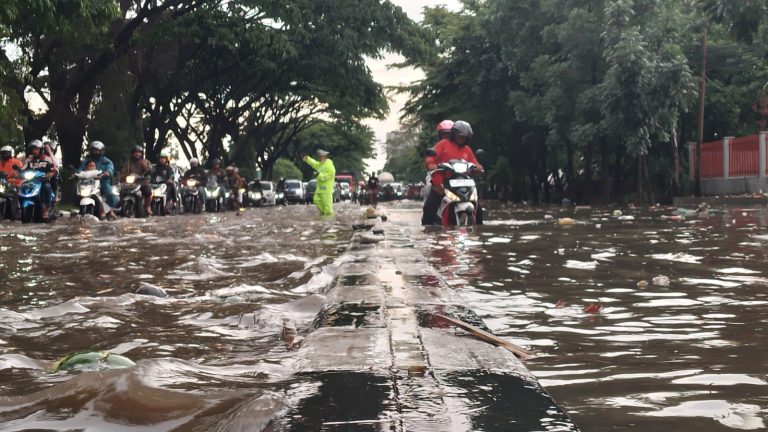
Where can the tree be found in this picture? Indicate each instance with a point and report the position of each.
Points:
(285, 169)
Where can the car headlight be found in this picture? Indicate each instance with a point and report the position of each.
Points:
(451, 196)
(29, 175)
(130, 179)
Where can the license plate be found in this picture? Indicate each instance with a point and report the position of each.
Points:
(459, 183)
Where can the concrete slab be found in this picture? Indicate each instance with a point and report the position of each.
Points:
(345, 349)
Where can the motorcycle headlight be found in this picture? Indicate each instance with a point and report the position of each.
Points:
(451, 196)
(256, 195)
(215, 193)
(279, 195)
(460, 168)
(29, 175)
(158, 193)
(130, 179)
(242, 191)
(191, 182)
(2, 188)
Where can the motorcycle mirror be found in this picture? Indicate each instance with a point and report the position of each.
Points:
(479, 152)
(429, 153)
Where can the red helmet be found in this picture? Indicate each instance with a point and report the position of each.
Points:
(445, 126)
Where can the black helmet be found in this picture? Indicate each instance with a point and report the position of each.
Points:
(216, 161)
(137, 148)
(462, 128)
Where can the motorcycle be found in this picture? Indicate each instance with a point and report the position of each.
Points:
(9, 201)
(214, 195)
(254, 197)
(89, 193)
(192, 200)
(460, 203)
(31, 199)
(131, 199)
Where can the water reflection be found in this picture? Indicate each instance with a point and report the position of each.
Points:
(702, 326)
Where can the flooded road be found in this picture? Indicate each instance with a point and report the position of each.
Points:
(690, 353)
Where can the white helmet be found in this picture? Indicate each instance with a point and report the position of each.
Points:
(6, 149)
(36, 144)
(96, 145)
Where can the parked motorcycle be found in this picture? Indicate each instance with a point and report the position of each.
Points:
(460, 203)
(131, 199)
(214, 194)
(31, 199)
(192, 200)
(89, 193)
(9, 200)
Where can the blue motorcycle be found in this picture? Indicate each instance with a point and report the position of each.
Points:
(30, 196)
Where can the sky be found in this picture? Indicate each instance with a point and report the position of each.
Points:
(392, 77)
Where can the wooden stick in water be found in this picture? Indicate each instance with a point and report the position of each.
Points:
(520, 352)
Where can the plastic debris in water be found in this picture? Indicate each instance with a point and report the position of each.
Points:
(566, 222)
(93, 360)
(617, 213)
(662, 281)
(642, 284)
(561, 304)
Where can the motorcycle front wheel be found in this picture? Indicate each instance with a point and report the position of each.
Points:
(128, 210)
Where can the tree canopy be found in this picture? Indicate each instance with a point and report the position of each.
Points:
(589, 99)
(234, 79)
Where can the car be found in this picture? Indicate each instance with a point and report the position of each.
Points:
(294, 191)
(267, 188)
(346, 192)
(311, 186)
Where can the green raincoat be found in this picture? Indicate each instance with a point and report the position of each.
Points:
(326, 177)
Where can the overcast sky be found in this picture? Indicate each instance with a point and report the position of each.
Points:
(393, 77)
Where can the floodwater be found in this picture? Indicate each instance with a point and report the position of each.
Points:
(692, 354)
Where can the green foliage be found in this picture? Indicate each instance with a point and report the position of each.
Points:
(582, 98)
(284, 168)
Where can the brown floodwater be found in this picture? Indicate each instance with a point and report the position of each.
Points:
(688, 354)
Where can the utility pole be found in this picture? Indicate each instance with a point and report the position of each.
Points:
(702, 94)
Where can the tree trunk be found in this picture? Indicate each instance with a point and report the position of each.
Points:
(588, 174)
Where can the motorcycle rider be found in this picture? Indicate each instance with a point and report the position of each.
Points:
(432, 201)
(454, 147)
(103, 164)
(235, 184)
(141, 168)
(10, 165)
(198, 173)
(163, 172)
(91, 166)
(37, 160)
(217, 171)
(372, 190)
(50, 149)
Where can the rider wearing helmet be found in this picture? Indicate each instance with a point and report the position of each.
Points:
(9, 165)
(142, 169)
(432, 200)
(164, 173)
(235, 183)
(103, 164)
(455, 146)
(216, 170)
(37, 160)
(198, 173)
